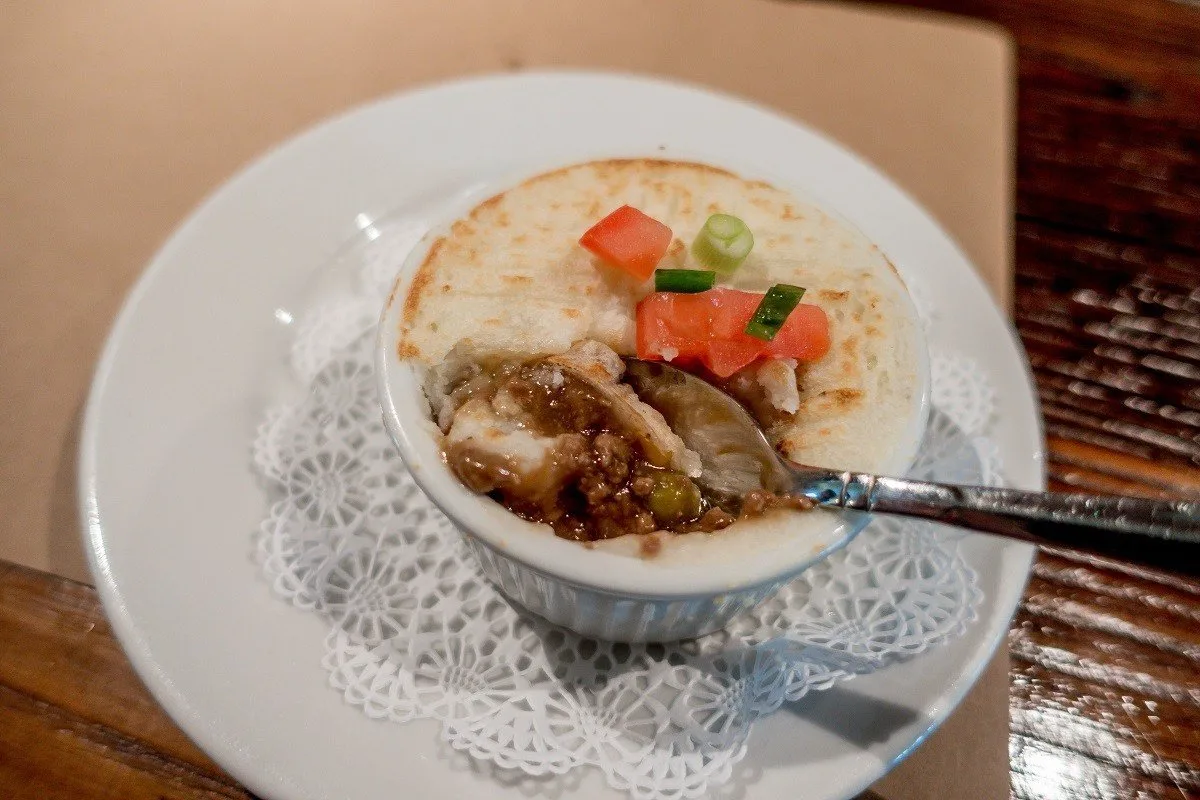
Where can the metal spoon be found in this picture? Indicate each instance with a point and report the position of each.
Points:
(737, 458)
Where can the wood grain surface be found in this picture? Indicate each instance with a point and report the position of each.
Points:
(75, 721)
(1105, 697)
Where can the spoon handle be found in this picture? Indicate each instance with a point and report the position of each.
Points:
(1105, 524)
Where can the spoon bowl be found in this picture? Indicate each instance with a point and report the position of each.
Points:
(736, 454)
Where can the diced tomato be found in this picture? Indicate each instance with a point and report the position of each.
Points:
(726, 357)
(729, 348)
(675, 325)
(629, 239)
(733, 309)
(804, 336)
(709, 326)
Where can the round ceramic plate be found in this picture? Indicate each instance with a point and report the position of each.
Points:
(170, 499)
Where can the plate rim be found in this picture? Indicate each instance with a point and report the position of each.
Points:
(133, 640)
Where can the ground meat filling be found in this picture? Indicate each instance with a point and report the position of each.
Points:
(596, 481)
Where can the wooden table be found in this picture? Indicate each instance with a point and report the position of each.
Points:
(1105, 696)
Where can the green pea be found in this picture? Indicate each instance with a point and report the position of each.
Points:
(674, 498)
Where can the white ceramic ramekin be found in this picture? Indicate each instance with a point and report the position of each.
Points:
(603, 592)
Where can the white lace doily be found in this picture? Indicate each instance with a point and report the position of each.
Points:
(415, 632)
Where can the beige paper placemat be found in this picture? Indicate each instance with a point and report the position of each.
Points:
(117, 118)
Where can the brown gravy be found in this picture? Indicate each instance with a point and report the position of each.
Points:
(598, 483)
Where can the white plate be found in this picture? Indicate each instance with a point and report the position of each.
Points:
(170, 499)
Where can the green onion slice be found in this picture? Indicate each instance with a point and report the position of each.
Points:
(723, 243)
(687, 281)
(773, 311)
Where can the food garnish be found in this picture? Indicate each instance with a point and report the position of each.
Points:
(710, 327)
(773, 310)
(723, 243)
(629, 239)
(686, 281)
